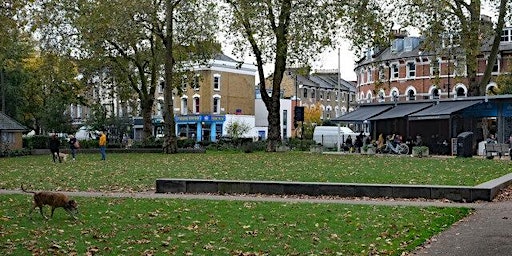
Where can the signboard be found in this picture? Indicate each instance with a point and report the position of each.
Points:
(199, 118)
(454, 146)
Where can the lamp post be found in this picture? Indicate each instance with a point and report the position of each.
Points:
(449, 61)
(489, 86)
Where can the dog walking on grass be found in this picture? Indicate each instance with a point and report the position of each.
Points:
(54, 200)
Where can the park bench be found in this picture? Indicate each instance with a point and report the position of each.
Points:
(499, 149)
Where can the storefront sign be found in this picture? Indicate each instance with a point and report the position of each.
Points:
(199, 118)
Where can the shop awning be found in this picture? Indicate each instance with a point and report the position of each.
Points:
(442, 110)
(361, 114)
(402, 110)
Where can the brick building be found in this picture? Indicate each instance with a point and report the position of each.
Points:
(335, 96)
(405, 72)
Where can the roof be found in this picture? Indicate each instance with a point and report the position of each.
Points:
(401, 110)
(442, 110)
(323, 80)
(9, 124)
(223, 57)
(363, 113)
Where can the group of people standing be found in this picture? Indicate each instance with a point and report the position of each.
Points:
(74, 145)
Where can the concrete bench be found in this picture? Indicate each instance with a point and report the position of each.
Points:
(499, 149)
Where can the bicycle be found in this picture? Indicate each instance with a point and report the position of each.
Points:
(400, 148)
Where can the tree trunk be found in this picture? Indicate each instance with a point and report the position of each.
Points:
(493, 55)
(146, 116)
(171, 141)
(472, 42)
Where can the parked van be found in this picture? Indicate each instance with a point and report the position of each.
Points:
(86, 133)
(328, 135)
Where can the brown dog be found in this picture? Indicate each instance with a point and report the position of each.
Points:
(54, 200)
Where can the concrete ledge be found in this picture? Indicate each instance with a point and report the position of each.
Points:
(486, 191)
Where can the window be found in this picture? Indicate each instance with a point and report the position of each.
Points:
(381, 96)
(196, 105)
(411, 95)
(411, 69)
(461, 92)
(285, 117)
(184, 83)
(435, 94)
(434, 67)
(313, 93)
(195, 83)
(496, 67)
(216, 82)
(321, 95)
(382, 75)
(184, 108)
(369, 75)
(505, 35)
(394, 71)
(305, 93)
(216, 105)
(328, 96)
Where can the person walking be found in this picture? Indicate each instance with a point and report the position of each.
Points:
(73, 146)
(54, 148)
(103, 144)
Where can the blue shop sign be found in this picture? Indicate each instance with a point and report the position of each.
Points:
(199, 118)
(507, 109)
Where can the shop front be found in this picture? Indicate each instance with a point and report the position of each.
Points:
(200, 127)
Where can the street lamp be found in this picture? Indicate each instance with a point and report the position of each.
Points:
(489, 86)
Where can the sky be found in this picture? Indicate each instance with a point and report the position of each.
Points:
(326, 60)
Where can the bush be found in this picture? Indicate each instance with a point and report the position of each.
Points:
(36, 141)
(301, 145)
(150, 142)
(186, 143)
(88, 143)
(13, 153)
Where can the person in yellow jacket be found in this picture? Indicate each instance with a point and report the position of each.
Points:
(103, 144)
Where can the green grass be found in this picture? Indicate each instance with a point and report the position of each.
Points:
(118, 226)
(137, 172)
(113, 226)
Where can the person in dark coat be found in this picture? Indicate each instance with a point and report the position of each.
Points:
(54, 148)
(73, 145)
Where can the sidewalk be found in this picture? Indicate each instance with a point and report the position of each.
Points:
(488, 231)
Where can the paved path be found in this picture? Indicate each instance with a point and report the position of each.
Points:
(488, 231)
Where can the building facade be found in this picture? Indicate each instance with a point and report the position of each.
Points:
(213, 92)
(404, 72)
(322, 88)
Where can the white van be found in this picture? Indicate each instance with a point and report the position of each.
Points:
(327, 136)
(86, 133)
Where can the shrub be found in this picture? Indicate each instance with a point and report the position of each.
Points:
(186, 143)
(38, 141)
(150, 142)
(301, 145)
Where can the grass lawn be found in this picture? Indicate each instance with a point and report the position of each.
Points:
(114, 226)
(137, 172)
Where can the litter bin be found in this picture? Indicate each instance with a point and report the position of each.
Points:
(465, 144)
